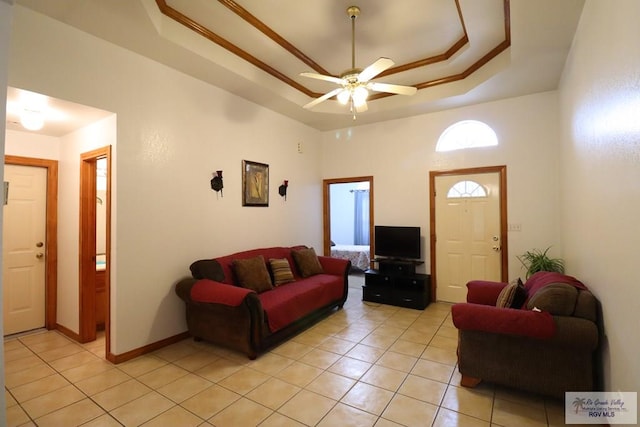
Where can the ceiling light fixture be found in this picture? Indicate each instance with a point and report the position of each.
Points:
(31, 119)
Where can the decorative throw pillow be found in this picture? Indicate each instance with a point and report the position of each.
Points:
(512, 296)
(559, 299)
(281, 271)
(207, 269)
(307, 262)
(252, 273)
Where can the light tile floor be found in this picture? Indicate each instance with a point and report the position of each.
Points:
(365, 365)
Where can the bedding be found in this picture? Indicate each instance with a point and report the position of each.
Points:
(357, 254)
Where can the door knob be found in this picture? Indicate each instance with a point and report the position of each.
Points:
(496, 248)
(40, 244)
(39, 255)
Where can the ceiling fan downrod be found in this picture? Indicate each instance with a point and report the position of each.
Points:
(353, 12)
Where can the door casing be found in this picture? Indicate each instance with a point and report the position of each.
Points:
(504, 252)
(51, 230)
(326, 209)
(87, 250)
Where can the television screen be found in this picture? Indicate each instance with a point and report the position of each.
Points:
(397, 241)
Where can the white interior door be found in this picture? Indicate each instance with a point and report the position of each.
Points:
(24, 248)
(467, 232)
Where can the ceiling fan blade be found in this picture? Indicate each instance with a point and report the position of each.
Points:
(362, 108)
(323, 98)
(374, 69)
(389, 88)
(323, 77)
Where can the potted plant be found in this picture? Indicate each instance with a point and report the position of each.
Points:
(538, 260)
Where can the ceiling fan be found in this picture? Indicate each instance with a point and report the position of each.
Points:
(355, 83)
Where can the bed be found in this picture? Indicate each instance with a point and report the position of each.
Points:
(357, 254)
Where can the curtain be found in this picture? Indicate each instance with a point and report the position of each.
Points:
(361, 217)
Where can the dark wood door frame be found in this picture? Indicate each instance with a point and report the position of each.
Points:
(504, 241)
(326, 209)
(87, 251)
(51, 230)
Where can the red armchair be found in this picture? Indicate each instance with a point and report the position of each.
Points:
(547, 346)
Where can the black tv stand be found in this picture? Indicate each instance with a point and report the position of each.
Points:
(399, 266)
(396, 282)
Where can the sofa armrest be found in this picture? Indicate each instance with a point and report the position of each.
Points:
(484, 292)
(335, 266)
(575, 332)
(212, 292)
(183, 288)
(507, 321)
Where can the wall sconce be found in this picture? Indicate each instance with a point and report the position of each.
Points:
(282, 190)
(216, 182)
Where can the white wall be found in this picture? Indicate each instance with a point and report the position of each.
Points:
(6, 13)
(342, 213)
(29, 144)
(96, 135)
(600, 107)
(399, 154)
(173, 132)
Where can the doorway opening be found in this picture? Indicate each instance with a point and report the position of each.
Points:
(348, 220)
(95, 245)
(468, 229)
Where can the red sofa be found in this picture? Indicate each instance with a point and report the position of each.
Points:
(221, 311)
(547, 343)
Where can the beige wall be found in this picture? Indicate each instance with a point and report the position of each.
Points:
(6, 14)
(600, 106)
(173, 132)
(399, 154)
(572, 169)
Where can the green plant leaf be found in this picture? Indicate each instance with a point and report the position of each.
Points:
(537, 260)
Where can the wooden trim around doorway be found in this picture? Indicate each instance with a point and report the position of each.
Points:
(51, 230)
(87, 246)
(504, 241)
(326, 210)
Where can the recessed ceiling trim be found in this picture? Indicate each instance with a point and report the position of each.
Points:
(267, 31)
(208, 34)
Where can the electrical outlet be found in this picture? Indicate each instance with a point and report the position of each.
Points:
(515, 227)
(300, 147)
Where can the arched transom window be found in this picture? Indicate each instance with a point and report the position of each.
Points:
(466, 134)
(466, 189)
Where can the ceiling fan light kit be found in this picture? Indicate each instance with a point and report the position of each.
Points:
(355, 82)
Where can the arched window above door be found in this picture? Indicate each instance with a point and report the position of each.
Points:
(466, 134)
(466, 189)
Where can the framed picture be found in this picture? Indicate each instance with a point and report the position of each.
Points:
(255, 184)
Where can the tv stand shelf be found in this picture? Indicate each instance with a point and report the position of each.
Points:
(396, 282)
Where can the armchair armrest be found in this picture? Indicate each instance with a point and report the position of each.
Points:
(507, 321)
(484, 292)
(335, 266)
(210, 291)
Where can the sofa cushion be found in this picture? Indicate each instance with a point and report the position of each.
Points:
(559, 299)
(281, 271)
(226, 261)
(307, 262)
(252, 273)
(512, 295)
(543, 278)
(292, 301)
(207, 269)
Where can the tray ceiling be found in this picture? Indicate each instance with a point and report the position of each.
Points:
(456, 52)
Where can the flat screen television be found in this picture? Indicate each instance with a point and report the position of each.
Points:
(397, 242)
